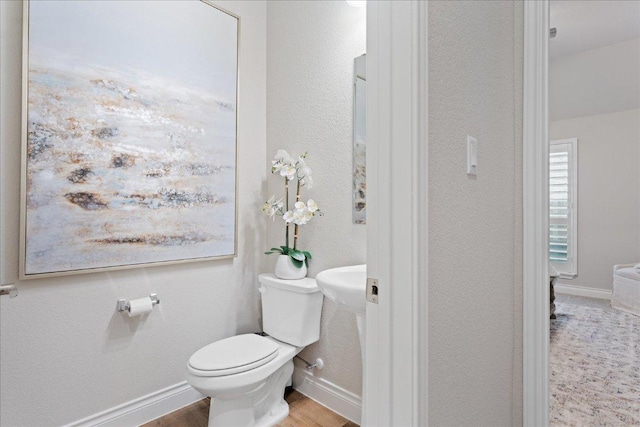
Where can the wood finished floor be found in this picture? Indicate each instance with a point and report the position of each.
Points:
(303, 412)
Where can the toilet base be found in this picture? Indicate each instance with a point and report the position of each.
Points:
(273, 417)
(263, 407)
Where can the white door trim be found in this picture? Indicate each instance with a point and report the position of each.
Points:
(535, 198)
(395, 371)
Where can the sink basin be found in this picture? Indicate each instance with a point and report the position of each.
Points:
(346, 286)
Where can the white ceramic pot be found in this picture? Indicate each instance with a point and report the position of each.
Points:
(286, 270)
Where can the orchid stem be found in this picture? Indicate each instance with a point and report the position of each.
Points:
(286, 209)
(295, 230)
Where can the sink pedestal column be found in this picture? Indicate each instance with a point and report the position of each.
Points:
(361, 321)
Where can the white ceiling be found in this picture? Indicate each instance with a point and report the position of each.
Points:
(589, 24)
(597, 81)
(595, 58)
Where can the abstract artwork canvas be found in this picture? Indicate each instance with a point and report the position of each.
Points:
(130, 124)
(360, 140)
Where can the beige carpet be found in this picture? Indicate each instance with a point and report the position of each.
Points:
(595, 367)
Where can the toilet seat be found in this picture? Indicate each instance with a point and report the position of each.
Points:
(233, 355)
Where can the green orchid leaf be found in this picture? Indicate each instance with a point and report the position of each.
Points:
(297, 263)
(307, 254)
(297, 255)
(276, 250)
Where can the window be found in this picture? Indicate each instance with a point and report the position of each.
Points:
(563, 206)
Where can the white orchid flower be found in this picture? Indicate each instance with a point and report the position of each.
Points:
(288, 217)
(289, 171)
(308, 215)
(275, 203)
(312, 205)
(300, 218)
(304, 173)
(302, 214)
(282, 157)
(277, 166)
(281, 160)
(303, 169)
(272, 206)
(266, 208)
(307, 182)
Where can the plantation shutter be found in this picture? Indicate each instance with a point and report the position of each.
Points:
(562, 221)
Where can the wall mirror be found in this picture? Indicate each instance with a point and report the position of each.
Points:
(359, 140)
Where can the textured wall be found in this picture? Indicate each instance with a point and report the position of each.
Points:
(608, 193)
(475, 283)
(311, 47)
(66, 354)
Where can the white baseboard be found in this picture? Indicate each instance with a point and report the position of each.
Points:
(339, 400)
(165, 401)
(582, 291)
(145, 408)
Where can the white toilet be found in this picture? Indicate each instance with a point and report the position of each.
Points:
(245, 375)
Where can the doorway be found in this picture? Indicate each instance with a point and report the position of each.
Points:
(536, 231)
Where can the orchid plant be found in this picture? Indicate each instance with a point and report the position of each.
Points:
(292, 170)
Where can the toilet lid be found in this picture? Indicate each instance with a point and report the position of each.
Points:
(234, 355)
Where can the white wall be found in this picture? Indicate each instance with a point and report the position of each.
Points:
(596, 81)
(608, 193)
(311, 48)
(475, 228)
(66, 353)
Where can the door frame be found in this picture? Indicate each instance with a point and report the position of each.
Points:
(535, 198)
(395, 390)
(395, 368)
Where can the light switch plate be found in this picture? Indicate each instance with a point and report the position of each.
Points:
(472, 155)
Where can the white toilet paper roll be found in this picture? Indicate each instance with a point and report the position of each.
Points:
(140, 306)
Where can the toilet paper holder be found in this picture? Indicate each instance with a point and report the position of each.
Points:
(123, 304)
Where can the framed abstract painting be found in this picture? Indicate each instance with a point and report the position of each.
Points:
(129, 135)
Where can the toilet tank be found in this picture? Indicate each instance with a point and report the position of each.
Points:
(291, 309)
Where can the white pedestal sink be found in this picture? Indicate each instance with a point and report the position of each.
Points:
(346, 286)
